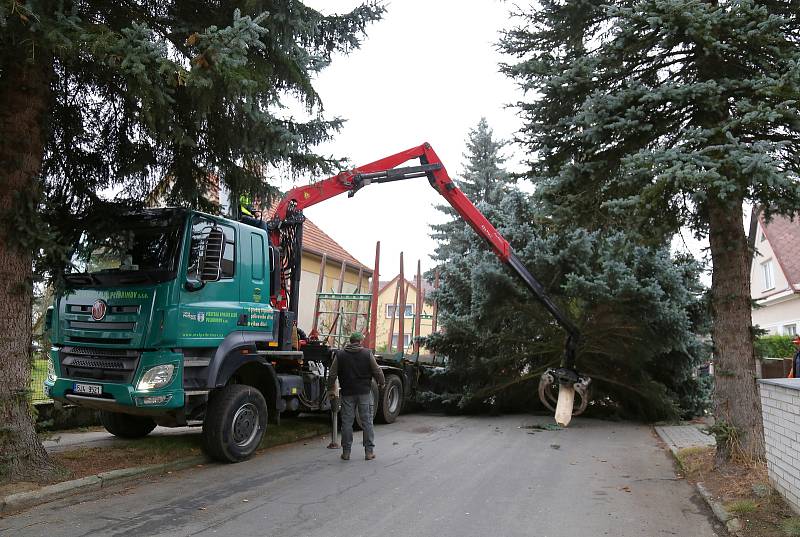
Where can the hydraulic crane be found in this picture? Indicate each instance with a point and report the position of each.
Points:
(285, 229)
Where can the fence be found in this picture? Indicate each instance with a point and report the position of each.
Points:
(774, 368)
(38, 376)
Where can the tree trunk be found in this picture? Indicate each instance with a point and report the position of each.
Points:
(736, 397)
(24, 94)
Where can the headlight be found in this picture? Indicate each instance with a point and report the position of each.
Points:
(51, 371)
(156, 377)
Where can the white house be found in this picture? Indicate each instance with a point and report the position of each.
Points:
(775, 273)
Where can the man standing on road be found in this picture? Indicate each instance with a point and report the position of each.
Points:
(795, 372)
(355, 367)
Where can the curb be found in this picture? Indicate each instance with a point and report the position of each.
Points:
(732, 524)
(24, 500)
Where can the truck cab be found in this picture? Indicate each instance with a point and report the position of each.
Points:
(168, 321)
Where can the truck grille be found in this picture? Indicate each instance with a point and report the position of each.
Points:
(108, 365)
(117, 328)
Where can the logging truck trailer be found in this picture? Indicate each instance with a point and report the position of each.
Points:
(177, 317)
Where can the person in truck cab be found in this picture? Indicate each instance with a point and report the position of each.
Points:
(355, 367)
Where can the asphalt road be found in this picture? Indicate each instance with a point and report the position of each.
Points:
(434, 476)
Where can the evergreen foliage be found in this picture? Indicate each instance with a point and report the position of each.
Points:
(637, 308)
(168, 96)
(649, 115)
(650, 111)
(484, 181)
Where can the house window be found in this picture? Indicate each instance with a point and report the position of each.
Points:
(406, 315)
(769, 275)
(790, 330)
(406, 340)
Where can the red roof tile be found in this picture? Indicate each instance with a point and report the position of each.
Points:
(783, 235)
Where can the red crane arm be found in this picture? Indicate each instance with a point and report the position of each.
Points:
(380, 171)
(288, 213)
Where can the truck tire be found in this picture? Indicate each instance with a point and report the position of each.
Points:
(374, 389)
(235, 423)
(126, 425)
(390, 402)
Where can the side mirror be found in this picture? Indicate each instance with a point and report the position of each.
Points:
(194, 285)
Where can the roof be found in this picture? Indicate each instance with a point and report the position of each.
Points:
(427, 288)
(316, 241)
(783, 234)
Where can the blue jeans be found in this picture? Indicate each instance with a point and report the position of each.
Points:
(365, 411)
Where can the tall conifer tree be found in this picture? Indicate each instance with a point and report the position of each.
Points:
(649, 115)
(102, 98)
(484, 181)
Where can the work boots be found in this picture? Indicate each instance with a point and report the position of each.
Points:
(369, 455)
(345, 455)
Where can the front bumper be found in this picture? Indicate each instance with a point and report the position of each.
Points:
(118, 397)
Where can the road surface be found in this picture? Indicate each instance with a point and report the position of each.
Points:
(434, 476)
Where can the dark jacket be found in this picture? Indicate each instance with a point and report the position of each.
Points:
(355, 367)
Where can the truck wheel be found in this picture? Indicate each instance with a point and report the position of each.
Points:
(374, 388)
(391, 400)
(126, 425)
(235, 423)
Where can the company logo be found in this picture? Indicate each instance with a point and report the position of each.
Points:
(99, 309)
(201, 316)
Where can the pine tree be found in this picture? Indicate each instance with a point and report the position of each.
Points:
(639, 312)
(484, 181)
(649, 115)
(100, 101)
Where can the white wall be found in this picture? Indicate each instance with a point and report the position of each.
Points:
(780, 408)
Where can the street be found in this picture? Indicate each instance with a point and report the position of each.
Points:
(434, 476)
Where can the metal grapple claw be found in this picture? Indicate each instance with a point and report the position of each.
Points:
(555, 399)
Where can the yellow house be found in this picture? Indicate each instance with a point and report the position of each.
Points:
(386, 313)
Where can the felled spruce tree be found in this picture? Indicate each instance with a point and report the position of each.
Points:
(107, 97)
(638, 311)
(654, 114)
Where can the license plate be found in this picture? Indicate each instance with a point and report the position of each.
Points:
(88, 389)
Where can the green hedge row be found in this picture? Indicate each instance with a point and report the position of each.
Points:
(775, 347)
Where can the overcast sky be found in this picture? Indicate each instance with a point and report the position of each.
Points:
(427, 72)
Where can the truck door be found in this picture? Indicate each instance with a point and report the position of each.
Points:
(210, 308)
(254, 281)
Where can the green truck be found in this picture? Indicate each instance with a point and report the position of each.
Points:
(170, 323)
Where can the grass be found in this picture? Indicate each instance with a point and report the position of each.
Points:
(741, 507)
(791, 527)
(742, 487)
(81, 462)
(695, 462)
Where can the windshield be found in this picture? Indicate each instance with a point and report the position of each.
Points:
(142, 247)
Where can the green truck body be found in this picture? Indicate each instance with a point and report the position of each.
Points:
(181, 331)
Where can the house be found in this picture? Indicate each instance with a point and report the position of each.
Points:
(775, 273)
(386, 311)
